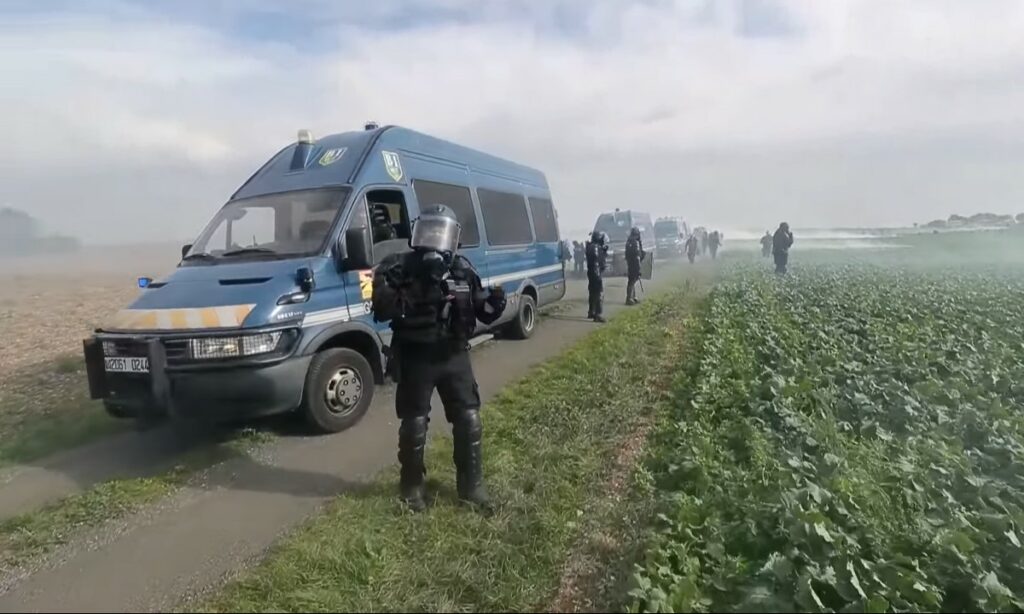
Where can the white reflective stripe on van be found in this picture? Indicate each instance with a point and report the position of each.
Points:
(359, 309)
(337, 314)
(355, 310)
(504, 279)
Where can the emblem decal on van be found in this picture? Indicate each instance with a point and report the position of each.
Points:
(366, 284)
(332, 155)
(392, 164)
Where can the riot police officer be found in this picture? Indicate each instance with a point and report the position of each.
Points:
(634, 256)
(692, 245)
(714, 242)
(432, 298)
(597, 255)
(781, 242)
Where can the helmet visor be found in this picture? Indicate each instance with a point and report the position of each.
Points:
(436, 232)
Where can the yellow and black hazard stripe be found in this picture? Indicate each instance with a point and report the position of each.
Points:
(189, 318)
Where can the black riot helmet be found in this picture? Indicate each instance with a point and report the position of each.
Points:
(634, 232)
(601, 238)
(436, 229)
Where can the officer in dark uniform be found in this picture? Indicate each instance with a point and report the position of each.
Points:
(433, 298)
(781, 242)
(766, 244)
(634, 256)
(597, 255)
(692, 245)
(714, 242)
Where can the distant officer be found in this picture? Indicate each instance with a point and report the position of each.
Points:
(692, 246)
(781, 242)
(714, 242)
(433, 298)
(579, 257)
(597, 255)
(766, 244)
(634, 256)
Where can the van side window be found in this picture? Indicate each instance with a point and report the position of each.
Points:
(505, 218)
(544, 224)
(388, 221)
(458, 198)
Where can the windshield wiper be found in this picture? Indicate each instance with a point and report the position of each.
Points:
(249, 250)
(198, 255)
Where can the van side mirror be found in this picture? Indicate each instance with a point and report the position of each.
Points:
(185, 249)
(357, 252)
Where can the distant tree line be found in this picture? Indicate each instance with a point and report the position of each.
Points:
(21, 234)
(977, 220)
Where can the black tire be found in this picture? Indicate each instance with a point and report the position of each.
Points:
(525, 322)
(339, 389)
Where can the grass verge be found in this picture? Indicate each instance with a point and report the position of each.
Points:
(46, 408)
(27, 537)
(35, 439)
(549, 442)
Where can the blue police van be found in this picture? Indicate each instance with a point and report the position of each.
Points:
(268, 310)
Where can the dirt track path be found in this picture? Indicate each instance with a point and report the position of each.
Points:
(206, 532)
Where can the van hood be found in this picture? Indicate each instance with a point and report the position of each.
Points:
(219, 296)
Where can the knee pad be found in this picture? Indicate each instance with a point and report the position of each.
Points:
(413, 432)
(467, 424)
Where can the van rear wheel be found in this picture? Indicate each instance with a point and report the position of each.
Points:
(339, 389)
(525, 322)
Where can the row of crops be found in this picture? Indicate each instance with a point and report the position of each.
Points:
(848, 438)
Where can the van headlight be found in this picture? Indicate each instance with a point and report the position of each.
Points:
(203, 348)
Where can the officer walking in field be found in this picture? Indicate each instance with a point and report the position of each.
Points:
(692, 245)
(597, 254)
(781, 242)
(766, 244)
(433, 297)
(714, 242)
(634, 256)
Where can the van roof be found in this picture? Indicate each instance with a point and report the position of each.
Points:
(337, 159)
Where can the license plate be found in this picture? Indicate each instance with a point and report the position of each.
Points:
(127, 364)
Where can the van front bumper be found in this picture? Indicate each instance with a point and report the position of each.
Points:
(219, 392)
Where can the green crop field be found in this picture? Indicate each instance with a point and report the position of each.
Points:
(847, 438)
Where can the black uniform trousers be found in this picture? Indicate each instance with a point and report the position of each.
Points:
(632, 276)
(444, 366)
(595, 286)
(781, 261)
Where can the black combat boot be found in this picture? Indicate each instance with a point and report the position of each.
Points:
(468, 456)
(412, 439)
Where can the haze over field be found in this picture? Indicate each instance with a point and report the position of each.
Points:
(132, 120)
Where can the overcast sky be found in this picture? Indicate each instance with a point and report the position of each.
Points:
(136, 119)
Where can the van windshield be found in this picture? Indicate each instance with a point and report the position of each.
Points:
(616, 226)
(665, 230)
(288, 224)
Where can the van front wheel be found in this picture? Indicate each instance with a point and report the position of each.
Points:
(525, 322)
(339, 389)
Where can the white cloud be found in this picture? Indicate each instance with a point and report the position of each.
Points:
(849, 112)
